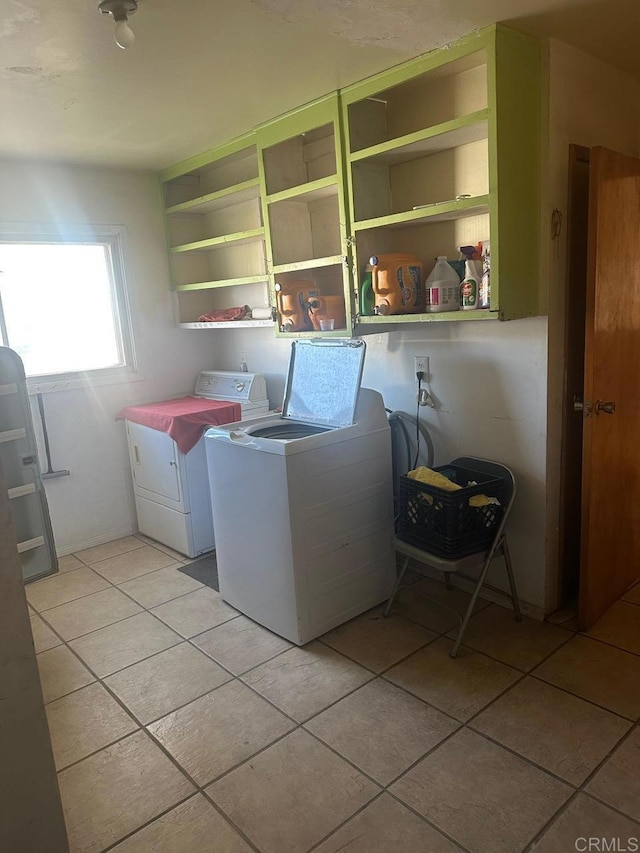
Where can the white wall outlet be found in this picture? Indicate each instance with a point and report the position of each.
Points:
(421, 363)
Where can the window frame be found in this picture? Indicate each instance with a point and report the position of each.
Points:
(113, 238)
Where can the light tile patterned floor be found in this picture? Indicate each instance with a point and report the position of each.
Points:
(180, 726)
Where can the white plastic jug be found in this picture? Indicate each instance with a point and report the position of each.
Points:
(442, 288)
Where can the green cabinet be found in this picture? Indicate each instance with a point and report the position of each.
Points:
(439, 152)
(215, 233)
(444, 151)
(303, 200)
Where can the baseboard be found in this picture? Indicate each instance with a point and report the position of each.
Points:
(63, 550)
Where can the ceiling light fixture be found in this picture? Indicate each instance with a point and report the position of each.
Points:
(120, 11)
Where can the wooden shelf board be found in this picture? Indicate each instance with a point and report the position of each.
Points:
(311, 191)
(240, 238)
(431, 140)
(309, 264)
(225, 282)
(397, 319)
(439, 212)
(231, 324)
(236, 194)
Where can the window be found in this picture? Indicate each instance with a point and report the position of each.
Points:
(63, 305)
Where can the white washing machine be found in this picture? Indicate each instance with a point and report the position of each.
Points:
(302, 502)
(171, 487)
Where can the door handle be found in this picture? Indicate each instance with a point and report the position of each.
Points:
(136, 453)
(605, 408)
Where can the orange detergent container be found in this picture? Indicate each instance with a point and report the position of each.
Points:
(327, 308)
(292, 302)
(397, 284)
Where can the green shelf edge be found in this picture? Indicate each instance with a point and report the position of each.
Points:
(329, 261)
(185, 206)
(336, 333)
(232, 324)
(397, 319)
(252, 236)
(211, 156)
(223, 282)
(420, 135)
(402, 72)
(302, 189)
(464, 207)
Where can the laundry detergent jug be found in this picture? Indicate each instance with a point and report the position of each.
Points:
(292, 302)
(327, 308)
(397, 284)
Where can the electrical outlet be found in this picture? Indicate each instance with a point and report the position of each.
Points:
(421, 363)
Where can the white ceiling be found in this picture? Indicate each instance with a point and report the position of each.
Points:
(204, 71)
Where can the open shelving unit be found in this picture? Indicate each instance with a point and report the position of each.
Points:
(439, 152)
(303, 183)
(215, 234)
(444, 151)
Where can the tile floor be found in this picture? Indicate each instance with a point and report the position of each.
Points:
(180, 726)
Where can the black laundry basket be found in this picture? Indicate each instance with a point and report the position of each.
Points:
(442, 522)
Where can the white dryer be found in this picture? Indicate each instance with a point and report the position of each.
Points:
(171, 487)
(302, 502)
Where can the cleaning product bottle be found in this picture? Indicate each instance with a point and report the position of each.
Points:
(469, 286)
(484, 295)
(366, 297)
(442, 288)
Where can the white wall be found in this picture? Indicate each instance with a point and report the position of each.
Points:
(490, 381)
(95, 504)
(590, 104)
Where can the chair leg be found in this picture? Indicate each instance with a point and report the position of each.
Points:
(512, 580)
(447, 580)
(396, 587)
(469, 611)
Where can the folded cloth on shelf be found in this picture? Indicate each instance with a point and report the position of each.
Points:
(184, 419)
(223, 315)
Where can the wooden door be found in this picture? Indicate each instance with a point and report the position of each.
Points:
(610, 546)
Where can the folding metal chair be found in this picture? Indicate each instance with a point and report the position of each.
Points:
(498, 548)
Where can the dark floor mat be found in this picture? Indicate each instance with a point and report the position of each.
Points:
(204, 570)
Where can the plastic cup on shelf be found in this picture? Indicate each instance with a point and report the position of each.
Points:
(327, 325)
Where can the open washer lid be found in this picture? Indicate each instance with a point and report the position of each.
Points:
(323, 381)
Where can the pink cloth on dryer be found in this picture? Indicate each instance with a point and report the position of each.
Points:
(184, 419)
